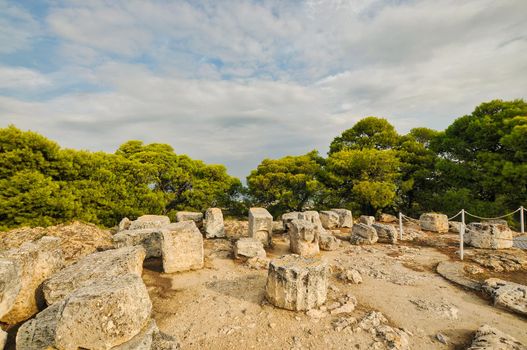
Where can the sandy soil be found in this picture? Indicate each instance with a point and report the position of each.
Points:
(223, 306)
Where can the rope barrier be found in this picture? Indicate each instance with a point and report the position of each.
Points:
(453, 217)
(498, 217)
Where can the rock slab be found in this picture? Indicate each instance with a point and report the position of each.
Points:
(213, 223)
(509, 295)
(488, 236)
(386, 233)
(182, 247)
(363, 234)
(434, 222)
(489, 338)
(261, 225)
(92, 269)
(345, 217)
(148, 238)
(328, 242)
(249, 248)
(149, 221)
(329, 219)
(297, 283)
(367, 220)
(197, 217)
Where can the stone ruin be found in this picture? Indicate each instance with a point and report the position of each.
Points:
(304, 237)
(363, 234)
(182, 247)
(434, 222)
(261, 225)
(297, 283)
(213, 223)
(367, 220)
(488, 235)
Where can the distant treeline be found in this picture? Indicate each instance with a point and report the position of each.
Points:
(478, 163)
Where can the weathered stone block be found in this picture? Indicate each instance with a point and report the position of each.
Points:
(388, 218)
(99, 316)
(304, 238)
(489, 236)
(278, 226)
(213, 223)
(434, 222)
(10, 284)
(288, 217)
(149, 221)
(261, 225)
(328, 242)
(182, 247)
(3, 338)
(35, 261)
(345, 217)
(249, 248)
(329, 219)
(313, 217)
(489, 338)
(363, 234)
(91, 269)
(367, 220)
(124, 224)
(148, 238)
(509, 295)
(197, 217)
(454, 226)
(385, 233)
(297, 283)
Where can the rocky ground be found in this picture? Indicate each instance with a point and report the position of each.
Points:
(223, 306)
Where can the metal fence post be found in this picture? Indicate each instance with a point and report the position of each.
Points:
(462, 234)
(522, 222)
(400, 226)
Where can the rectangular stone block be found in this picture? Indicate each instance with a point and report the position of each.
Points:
(182, 247)
(345, 217)
(261, 225)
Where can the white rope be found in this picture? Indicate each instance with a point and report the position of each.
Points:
(453, 217)
(498, 217)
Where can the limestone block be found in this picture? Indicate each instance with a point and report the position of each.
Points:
(368, 220)
(182, 247)
(288, 217)
(304, 238)
(249, 248)
(197, 217)
(261, 225)
(313, 217)
(297, 283)
(363, 234)
(149, 221)
(388, 218)
(454, 226)
(434, 222)
(213, 223)
(328, 242)
(509, 295)
(10, 284)
(93, 268)
(386, 233)
(36, 261)
(489, 236)
(148, 238)
(124, 224)
(329, 219)
(345, 217)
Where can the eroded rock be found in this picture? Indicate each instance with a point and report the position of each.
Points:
(489, 236)
(297, 283)
(149, 221)
(249, 248)
(197, 217)
(327, 241)
(509, 295)
(345, 217)
(148, 238)
(434, 222)
(363, 234)
(367, 220)
(388, 218)
(329, 219)
(261, 225)
(182, 247)
(124, 224)
(213, 223)
(288, 217)
(10, 284)
(93, 268)
(454, 226)
(304, 238)
(489, 338)
(386, 233)
(36, 261)
(313, 217)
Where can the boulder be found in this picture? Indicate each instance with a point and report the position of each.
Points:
(388, 218)
(345, 217)
(313, 217)
(509, 295)
(249, 248)
(149, 221)
(497, 221)
(35, 261)
(304, 238)
(182, 247)
(386, 233)
(363, 234)
(329, 219)
(213, 223)
(261, 225)
(489, 338)
(297, 283)
(10, 284)
(197, 217)
(489, 236)
(288, 217)
(102, 316)
(148, 238)
(124, 224)
(150, 338)
(367, 220)
(454, 226)
(91, 269)
(327, 241)
(352, 276)
(3, 338)
(434, 222)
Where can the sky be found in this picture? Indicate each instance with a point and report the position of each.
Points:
(233, 82)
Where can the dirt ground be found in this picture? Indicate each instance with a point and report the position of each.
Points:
(223, 305)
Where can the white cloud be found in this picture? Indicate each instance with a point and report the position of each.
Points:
(17, 78)
(17, 28)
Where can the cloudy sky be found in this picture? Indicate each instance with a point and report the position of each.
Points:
(234, 82)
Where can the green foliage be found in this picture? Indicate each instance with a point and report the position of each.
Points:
(289, 183)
